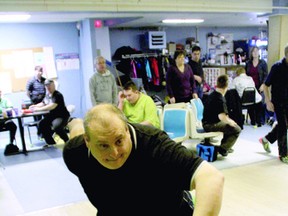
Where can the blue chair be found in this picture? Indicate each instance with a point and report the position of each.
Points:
(176, 123)
(200, 108)
(196, 129)
(197, 102)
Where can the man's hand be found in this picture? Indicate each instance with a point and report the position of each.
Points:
(198, 78)
(269, 105)
(261, 89)
(121, 96)
(232, 123)
(195, 95)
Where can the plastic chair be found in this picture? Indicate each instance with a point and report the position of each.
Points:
(196, 129)
(28, 125)
(160, 115)
(176, 123)
(199, 111)
(248, 99)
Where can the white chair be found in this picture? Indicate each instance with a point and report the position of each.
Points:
(176, 105)
(196, 129)
(160, 115)
(176, 123)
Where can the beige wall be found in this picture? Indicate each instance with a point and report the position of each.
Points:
(278, 38)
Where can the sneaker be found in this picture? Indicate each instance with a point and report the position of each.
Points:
(265, 145)
(230, 150)
(284, 159)
(48, 145)
(222, 151)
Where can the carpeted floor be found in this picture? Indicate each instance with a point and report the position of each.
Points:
(247, 149)
(40, 180)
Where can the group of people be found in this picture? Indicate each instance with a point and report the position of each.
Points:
(44, 97)
(133, 151)
(113, 158)
(256, 76)
(185, 81)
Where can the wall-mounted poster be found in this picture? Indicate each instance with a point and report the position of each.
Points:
(67, 61)
(17, 66)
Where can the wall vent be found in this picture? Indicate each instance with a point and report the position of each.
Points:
(156, 39)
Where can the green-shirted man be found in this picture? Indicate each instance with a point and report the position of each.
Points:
(137, 107)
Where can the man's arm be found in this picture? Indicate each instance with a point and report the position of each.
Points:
(208, 183)
(150, 113)
(93, 93)
(114, 91)
(28, 93)
(225, 118)
(29, 87)
(267, 95)
(198, 78)
(121, 98)
(47, 107)
(42, 107)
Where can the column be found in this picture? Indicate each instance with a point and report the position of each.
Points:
(278, 38)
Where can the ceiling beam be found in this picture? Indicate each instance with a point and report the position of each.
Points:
(261, 6)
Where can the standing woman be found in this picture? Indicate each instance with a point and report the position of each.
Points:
(180, 82)
(258, 70)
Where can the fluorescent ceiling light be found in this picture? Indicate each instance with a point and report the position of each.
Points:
(14, 17)
(177, 21)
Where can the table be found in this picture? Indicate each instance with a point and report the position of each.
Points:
(21, 128)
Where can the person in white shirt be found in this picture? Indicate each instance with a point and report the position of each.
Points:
(241, 82)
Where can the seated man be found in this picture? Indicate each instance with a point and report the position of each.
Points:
(4, 123)
(215, 117)
(139, 161)
(137, 107)
(58, 115)
(241, 82)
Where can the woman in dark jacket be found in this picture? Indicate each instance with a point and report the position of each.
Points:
(258, 70)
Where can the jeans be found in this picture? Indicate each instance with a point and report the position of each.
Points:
(230, 136)
(48, 125)
(281, 111)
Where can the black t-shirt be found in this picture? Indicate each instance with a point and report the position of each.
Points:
(278, 79)
(60, 110)
(197, 69)
(151, 181)
(214, 105)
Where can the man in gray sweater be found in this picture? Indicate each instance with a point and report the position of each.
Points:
(102, 84)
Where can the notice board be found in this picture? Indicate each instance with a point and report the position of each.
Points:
(17, 67)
